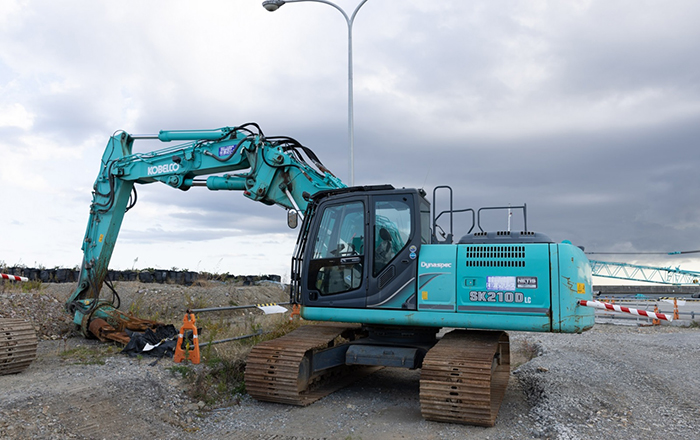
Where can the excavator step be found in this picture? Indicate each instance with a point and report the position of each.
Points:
(17, 345)
(464, 377)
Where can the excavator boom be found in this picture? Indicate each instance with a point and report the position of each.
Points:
(274, 171)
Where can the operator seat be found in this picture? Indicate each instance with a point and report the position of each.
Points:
(384, 252)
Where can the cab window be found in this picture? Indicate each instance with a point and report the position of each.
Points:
(338, 256)
(392, 230)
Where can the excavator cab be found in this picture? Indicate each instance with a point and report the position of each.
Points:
(361, 249)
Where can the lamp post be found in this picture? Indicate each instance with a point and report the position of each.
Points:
(273, 5)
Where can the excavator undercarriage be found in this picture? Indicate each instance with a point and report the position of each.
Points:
(282, 370)
(463, 376)
(17, 345)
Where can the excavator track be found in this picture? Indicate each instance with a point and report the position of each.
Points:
(280, 370)
(17, 345)
(464, 377)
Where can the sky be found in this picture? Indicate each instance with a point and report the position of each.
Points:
(586, 111)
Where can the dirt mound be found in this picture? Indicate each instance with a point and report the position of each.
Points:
(43, 305)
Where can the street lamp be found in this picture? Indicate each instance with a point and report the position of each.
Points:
(273, 5)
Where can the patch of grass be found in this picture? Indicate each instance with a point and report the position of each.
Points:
(31, 286)
(196, 302)
(202, 282)
(184, 371)
(84, 355)
(21, 286)
(213, 330)
(141, 307)
(135, 307)
(218, 382)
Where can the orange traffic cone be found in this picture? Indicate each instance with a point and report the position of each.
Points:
(183, 349)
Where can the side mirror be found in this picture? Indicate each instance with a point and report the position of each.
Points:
(292, 218)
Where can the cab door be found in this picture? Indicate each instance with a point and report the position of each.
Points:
(335, 260)
(396, 240)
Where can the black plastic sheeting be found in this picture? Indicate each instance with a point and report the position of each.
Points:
(163, 340)
(184, 277)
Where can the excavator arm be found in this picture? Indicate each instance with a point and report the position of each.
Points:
(273, 170)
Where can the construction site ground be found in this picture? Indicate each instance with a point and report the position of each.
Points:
(615, 382)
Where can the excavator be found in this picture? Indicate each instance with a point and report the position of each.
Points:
(381, 274)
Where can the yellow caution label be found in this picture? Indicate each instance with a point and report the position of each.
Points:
(101, 237)
(424, 294)
(580, 288)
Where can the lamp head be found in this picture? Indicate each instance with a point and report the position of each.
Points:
(272, 5)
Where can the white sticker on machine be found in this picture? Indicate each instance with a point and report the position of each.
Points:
(500, 283)
(527, 282)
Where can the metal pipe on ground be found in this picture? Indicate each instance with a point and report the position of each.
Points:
(252, 306)
(262, 307)
(237, 338)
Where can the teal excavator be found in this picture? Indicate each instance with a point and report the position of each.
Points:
(376, 257)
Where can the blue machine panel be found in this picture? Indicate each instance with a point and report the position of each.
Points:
(573, 283)
(437, 273)
(510, 278)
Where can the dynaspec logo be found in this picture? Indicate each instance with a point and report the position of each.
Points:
(427, 265)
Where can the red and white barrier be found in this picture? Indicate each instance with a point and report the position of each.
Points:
(606, 306)
(13, 277)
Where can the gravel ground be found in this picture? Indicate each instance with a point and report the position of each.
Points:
(615, 382)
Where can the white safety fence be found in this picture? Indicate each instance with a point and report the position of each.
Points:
(682, 310)
(5, 276)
